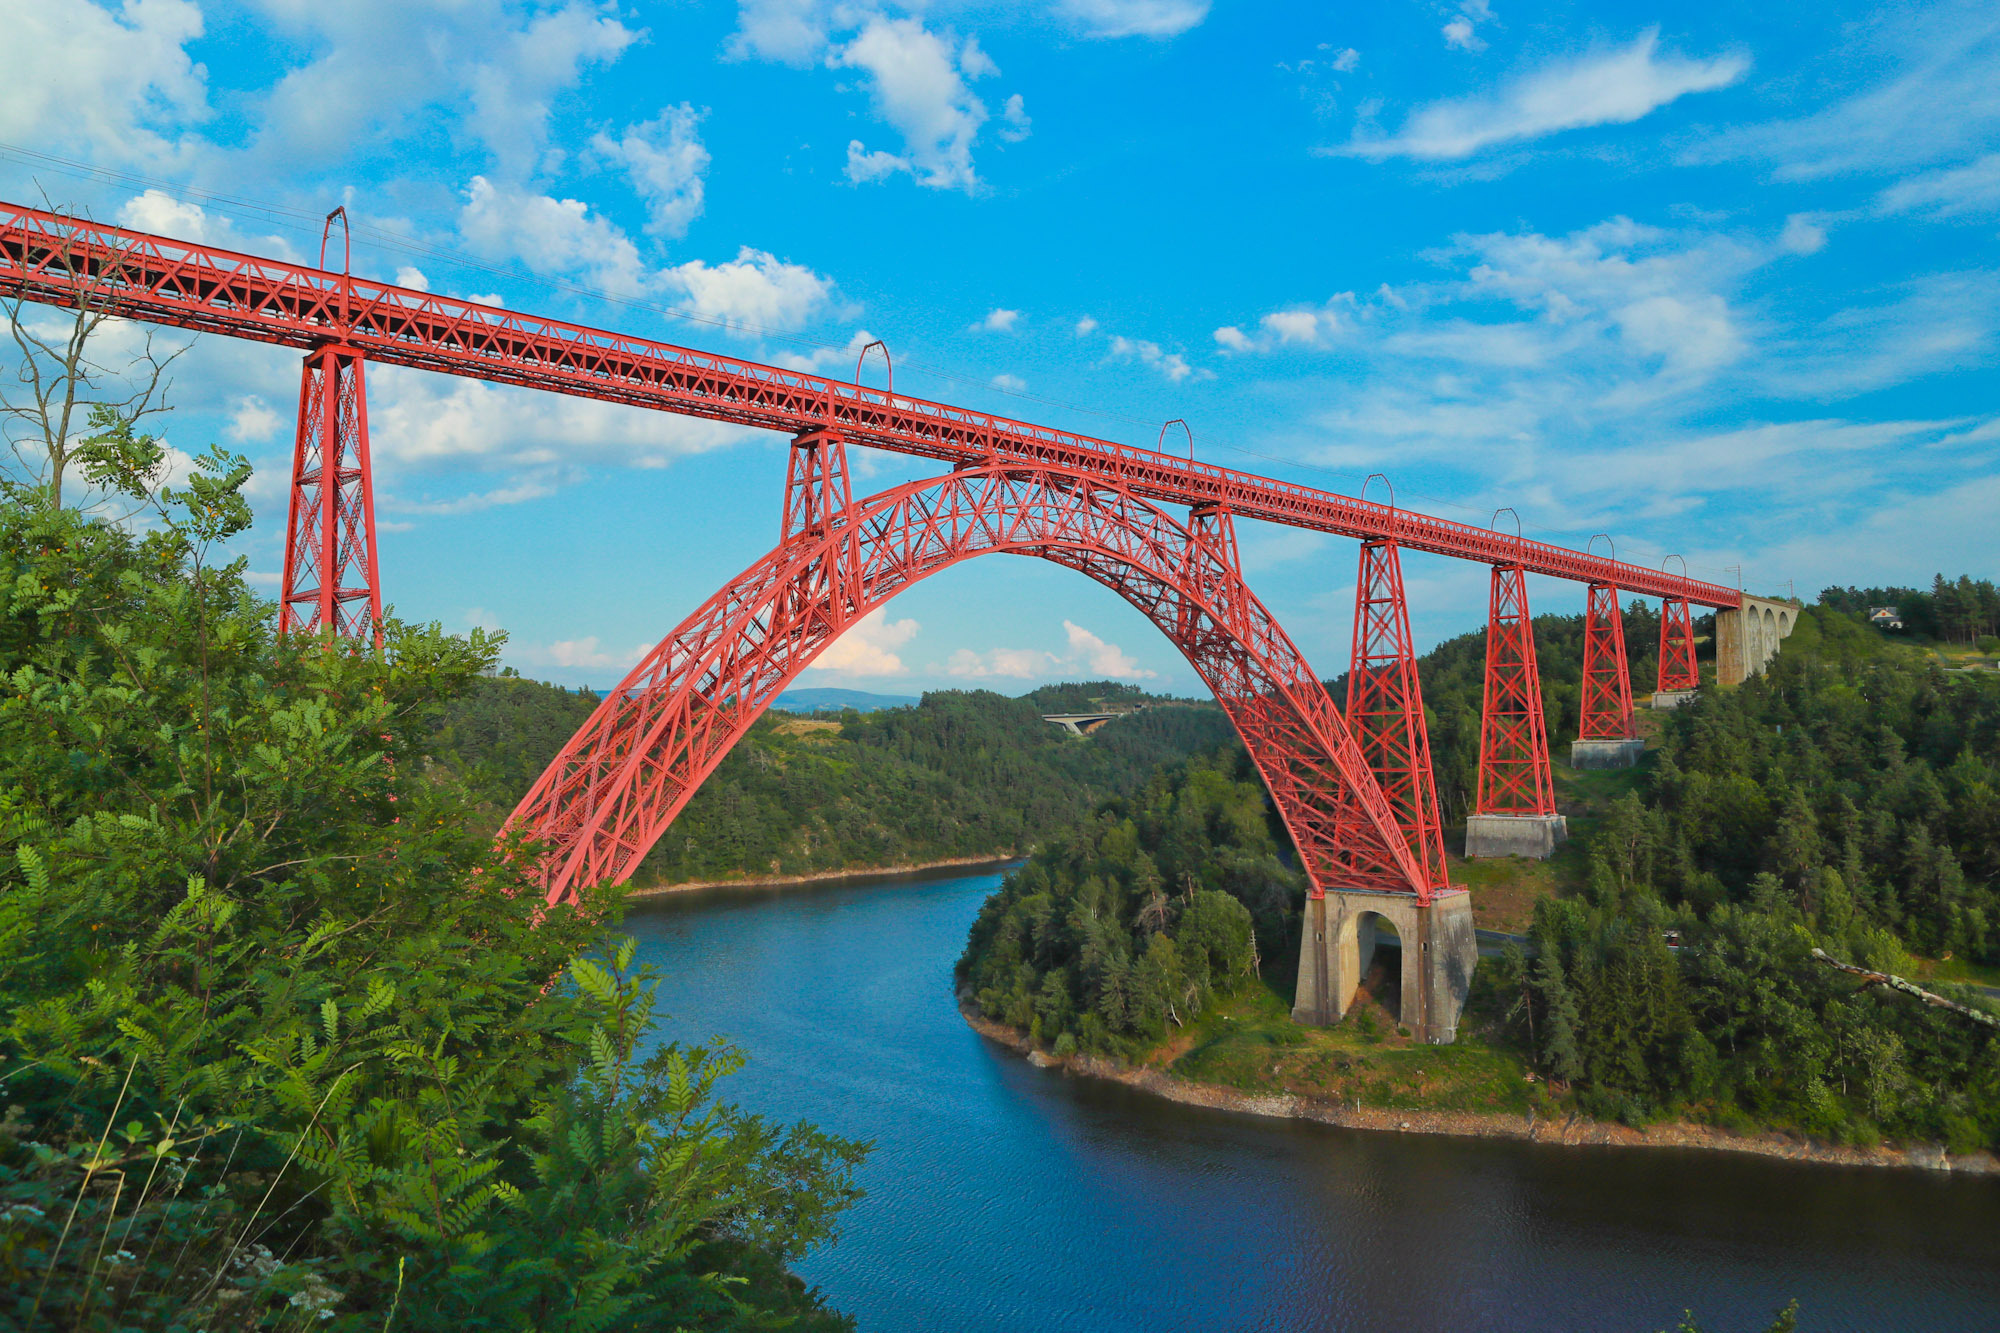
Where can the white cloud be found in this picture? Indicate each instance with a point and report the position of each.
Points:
(1942, 321)
(252, 420)
(1462, 31)
(824, 359)
(792, 32)
(918, 82)
(585, 652)
(1940, 103)
(755, 288)
(1613, 88)
(158, 212)
(117, 85)
(1085, 327)
(997, 321)
(1011, 383)
(1971, 189)
(531, 486)
(1134, 18)
(1105, 659)
(436, 423)
(549, 235)
(1084, 653)
(1908, 535)
(664, 159)
(1296, 326)
(1171, 364)
(1579, 378)
(408, 275)
(868, 647)
(1006, 663)
(512, 87)
(162, 214)
(864, 166)
(1802, 235)
(1015, 114)
(380, 64)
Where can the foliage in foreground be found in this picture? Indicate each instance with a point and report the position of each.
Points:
(280, 1048)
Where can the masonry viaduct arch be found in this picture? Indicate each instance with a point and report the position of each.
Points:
(618, 784)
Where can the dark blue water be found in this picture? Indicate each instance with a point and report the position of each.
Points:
(1004, 1197)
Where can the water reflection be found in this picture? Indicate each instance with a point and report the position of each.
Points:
(1003, 1197)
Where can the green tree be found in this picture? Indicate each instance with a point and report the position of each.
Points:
(280, 1036)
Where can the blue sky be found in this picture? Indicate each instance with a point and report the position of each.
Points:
(1717, 280)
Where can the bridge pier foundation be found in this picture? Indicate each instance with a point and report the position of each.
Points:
(1533, 836)
(1606, 753)
(1665, 699)
(1438, 950)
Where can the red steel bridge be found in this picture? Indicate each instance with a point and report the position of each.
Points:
(1353, 784)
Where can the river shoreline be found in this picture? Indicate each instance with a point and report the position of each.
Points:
(1573, 1132)
(825, 876)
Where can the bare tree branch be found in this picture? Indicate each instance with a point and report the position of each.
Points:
(65, 393)
(1894, 982)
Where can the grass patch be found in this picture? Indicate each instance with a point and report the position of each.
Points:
(1248, 1041)
(1957, 969)
(1505, 889)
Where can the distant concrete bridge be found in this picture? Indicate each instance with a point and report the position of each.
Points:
(1079, 724)
(1747, 637)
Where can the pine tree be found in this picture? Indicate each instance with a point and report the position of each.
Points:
(1561, 1053)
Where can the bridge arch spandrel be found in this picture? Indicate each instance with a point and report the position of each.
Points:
(619, 783)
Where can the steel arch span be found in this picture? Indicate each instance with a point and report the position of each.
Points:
(618, 784)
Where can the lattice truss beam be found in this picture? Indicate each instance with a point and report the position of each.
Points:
(619, 783)
(59, 260)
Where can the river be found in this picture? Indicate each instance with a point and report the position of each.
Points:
(1008, 1199)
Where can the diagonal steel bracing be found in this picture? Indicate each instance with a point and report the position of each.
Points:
(1607, 680)
(633, 766)
(1514, 777)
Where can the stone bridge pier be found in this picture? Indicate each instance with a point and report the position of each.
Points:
(1437, 942)
(1746, 640)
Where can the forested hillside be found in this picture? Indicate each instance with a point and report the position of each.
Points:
(1848, 800)
(1453, 675)
(1961, 610)
(963, 774)
(1137, 917)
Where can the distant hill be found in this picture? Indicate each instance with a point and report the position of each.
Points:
(959, 773)
(832, 701)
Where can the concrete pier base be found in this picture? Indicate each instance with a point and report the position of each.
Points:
(1664, 699)
(1439, 950)
(1605, 754)
(1532, 836)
